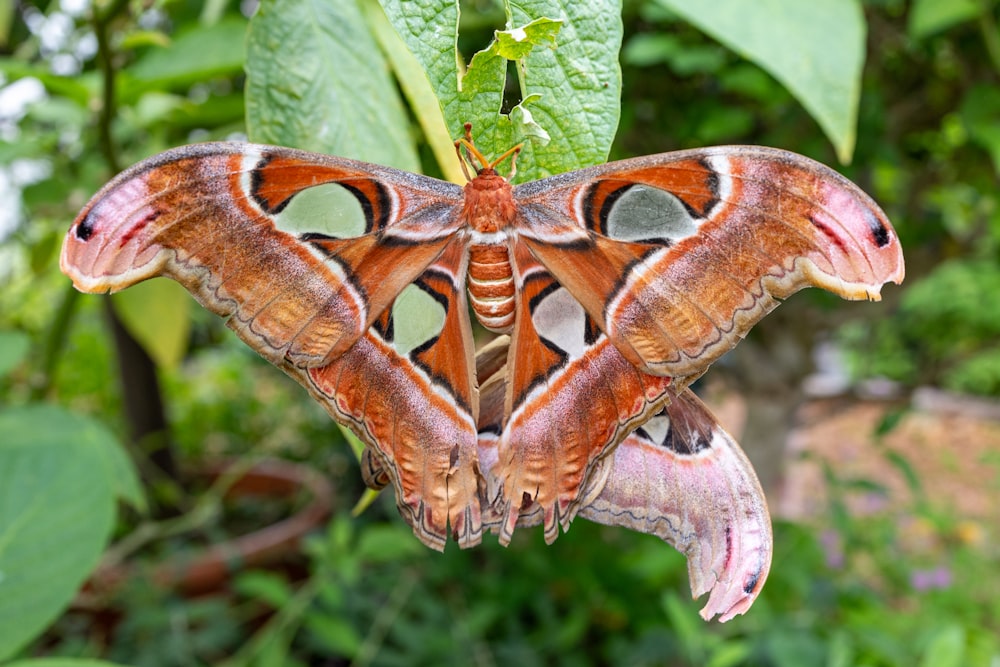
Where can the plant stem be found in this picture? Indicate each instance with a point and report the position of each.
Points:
(991, 35)
(55, 343)
(101, 22)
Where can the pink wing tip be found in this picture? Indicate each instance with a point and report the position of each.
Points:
(730, 599)
(855, 222)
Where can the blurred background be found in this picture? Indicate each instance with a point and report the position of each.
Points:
(875, 428)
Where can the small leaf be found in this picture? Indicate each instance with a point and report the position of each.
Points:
(368, 496)
(317, 80)
(158, 315)
(815, 49)
(902, 464)
(201, 53)
(13, 349)
(927, 17)
(388, 543)
(889, 422)
(523, 122)
(270, 587)
(144, 38)
(517, 43)
(335, 633)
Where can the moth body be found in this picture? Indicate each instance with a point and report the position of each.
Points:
(489, 210)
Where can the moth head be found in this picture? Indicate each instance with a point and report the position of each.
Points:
(472, 158)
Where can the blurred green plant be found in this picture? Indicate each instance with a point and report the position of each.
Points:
(946, 331)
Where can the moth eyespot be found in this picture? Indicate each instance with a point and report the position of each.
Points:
(85, 229)
(879, 231)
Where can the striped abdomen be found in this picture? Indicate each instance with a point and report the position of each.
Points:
(491, 286)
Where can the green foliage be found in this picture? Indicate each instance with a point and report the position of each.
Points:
(946, 331)
(816, 49)
(568, 83)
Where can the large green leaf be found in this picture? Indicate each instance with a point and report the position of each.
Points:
(158, 315)
(59, 477)
(566, 56)
(317, 80)
(814, 48)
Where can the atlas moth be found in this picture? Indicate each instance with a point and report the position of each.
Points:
(612, 287)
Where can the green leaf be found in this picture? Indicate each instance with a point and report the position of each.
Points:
(8, 11)
(336, 633)
(568, 75)
(57, 496)
(13, 349)
(815, 49)
(927, 17)
(906, 469)
(317, 80)
(157, 313)
(196, 55)
(980, 113)
(388, 543)
(269, 587)
(946, 648)
(517, 43)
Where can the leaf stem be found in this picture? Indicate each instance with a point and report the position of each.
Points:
(417, 89)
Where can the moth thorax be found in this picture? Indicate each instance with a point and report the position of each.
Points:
(488, 203)
(491, 286)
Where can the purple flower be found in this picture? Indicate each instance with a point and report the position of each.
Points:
(926, 580)
(833, 547)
